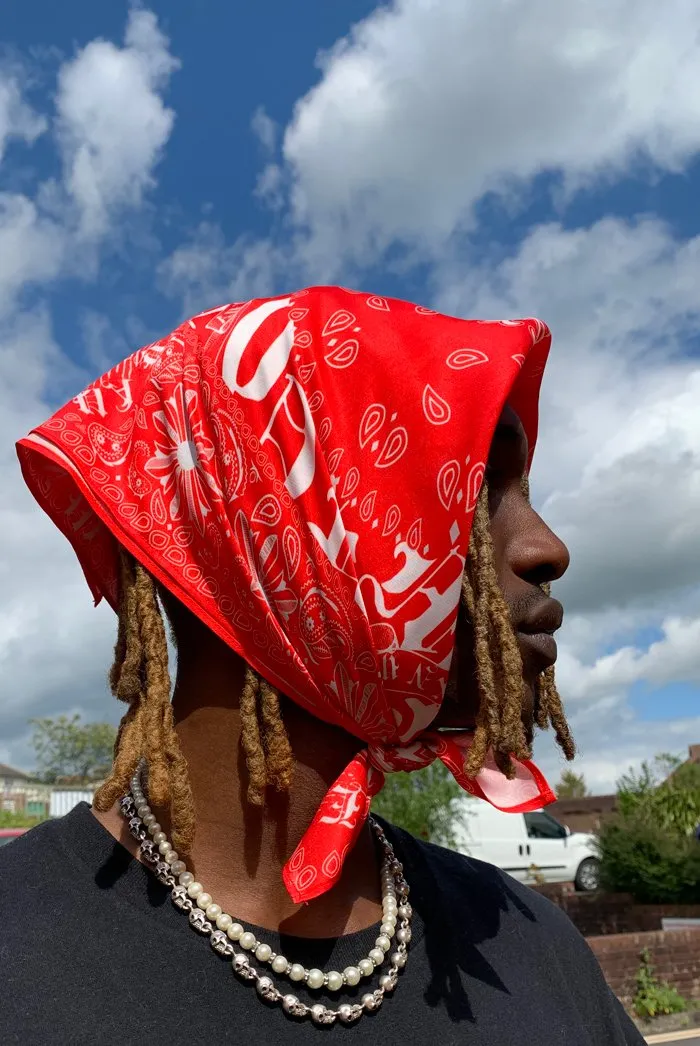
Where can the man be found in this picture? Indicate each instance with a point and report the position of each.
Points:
(298, 481)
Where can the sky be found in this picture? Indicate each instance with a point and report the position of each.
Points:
(515, 158)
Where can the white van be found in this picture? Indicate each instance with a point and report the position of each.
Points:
(533, 848)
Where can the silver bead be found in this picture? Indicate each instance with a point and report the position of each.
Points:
(404, 935)
(221, 944)
(199, 921)
(405, 911)
(369, 1002)
(241, 965)
(292, 1006)
(180, 899)
(321, 1015)
(266, 988)
(348, 1013)
(388, 982)
(398, 959)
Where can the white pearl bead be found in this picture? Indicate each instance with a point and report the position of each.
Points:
(377, 956)
(390, 918)
(186, 878)
(315, 978)
(297, 972)
(171, 857)
(335, 980)
(194, 890)
(143, 811)
(263, 952)
(223, 921)
(178, 867)
(280, 964)
(164, 847)
(389, 904)
(160, 837)
(388, 929)
(235, 932)
(383, 942)
(366, 967)
(213, 912)
(351, 975)
(149, 819)
(154, 828)
(203, 900)
(247, 940)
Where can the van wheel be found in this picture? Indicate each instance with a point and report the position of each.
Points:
(588, 875)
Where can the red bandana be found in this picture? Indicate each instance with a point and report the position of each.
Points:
(301, 472)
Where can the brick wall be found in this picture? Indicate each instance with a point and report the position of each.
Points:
(601, 914)
(675, 956)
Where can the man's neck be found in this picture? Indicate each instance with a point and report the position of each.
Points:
(239, 849)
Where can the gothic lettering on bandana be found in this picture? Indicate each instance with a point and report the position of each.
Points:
(301, 472)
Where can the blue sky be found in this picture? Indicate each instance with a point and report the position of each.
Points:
(399, 165)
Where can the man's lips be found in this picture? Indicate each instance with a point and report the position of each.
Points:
(541, 646)
(536, 633)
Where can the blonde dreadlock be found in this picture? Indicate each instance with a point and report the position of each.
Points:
(139, 676)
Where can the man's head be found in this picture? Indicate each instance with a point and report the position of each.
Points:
(309, 497)
(505, 650)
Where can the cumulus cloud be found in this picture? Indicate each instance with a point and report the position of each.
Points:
(423, 108)
(17, 118)
(112, 127)
(112, 122)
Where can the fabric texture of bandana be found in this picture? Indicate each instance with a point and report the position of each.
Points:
(302, 472)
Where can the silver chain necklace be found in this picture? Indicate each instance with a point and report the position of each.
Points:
(224, 932)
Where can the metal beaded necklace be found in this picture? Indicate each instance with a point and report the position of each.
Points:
(224, 932)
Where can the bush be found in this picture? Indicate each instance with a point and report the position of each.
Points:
(656, 865)
(8, 820)
(655, 998)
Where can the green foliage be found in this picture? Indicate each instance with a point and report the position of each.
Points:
(666, 792)
(655, 998)
(71, 752)
(8, 820)
(654, 864)
(571, 786)
(422, 802)
(648, 849)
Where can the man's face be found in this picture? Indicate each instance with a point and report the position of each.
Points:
(527, 554)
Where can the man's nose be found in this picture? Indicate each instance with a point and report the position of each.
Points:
(537, 555)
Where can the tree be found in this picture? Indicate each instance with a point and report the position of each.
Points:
(422, 802)
(649, 847)
(571, 786)
(71, 752)
(665, 792)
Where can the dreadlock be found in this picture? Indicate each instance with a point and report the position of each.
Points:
(139, 676)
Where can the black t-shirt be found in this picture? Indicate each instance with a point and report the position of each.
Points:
(92, 952)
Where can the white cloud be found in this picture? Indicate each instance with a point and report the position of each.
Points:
(17, 118)
(424, 107)
(54, 647)
(265, 129)
(618, 461)
(112, 122)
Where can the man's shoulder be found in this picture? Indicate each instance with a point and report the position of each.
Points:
(27, 860)
(472, 885)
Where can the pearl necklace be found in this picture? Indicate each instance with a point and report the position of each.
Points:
(207, 918)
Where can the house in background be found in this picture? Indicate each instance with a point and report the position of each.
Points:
(21, 794)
